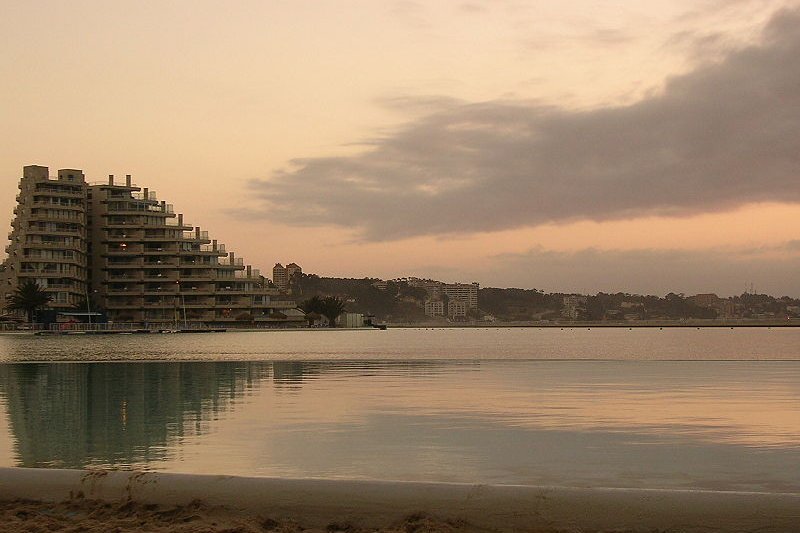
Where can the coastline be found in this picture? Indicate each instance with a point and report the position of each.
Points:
(319, 504)
(690, 324)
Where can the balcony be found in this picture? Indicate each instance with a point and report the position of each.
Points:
(136, 263)
(162, 250)
(197, 264)
(134, 290)
(57, 205)
(54, 231)
(244, 275)
(50, 245)
(166, 263)
(57, 192)
(141, 209)
(123, 249)
(198, 304)
(123, 223)
(151, 196)
(197, 277)
(195, 236)
(159, 237)
(49, 272)
(124, 276)
(165, 290)
(196, 289)
(47, 217)
(173, 223)
(209, 249)
(237, 302)
(286, 304)
(168, 303)
(123, 236)
(124, 304)
(159, 277)
(226, 261)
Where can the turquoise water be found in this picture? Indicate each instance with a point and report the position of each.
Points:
(712, 409)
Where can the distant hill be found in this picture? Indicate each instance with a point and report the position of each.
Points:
(398, 301)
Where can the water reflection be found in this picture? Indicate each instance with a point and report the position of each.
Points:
(73, 415)
(719, 425)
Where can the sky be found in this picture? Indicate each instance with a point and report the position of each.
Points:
(571, 146)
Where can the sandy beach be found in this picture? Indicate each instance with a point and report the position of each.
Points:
(92, 516)
(94, 501)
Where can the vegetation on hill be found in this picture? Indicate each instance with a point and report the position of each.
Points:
(401, 302)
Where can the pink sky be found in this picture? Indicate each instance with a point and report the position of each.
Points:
(567, 146)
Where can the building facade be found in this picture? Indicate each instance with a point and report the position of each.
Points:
(129, 254)
(457, 309)
(467, 292)
(434, 308)
(282, 275)
(48, 239)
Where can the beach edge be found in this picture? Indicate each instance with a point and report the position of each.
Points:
(318, 502)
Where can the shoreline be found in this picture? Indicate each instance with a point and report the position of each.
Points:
(318, 503)
(437, 325)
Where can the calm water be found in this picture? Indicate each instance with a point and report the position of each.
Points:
(709, 408)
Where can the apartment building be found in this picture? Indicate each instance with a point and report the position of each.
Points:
(434, 308)
(132, 256)
(48, 236)
(466, 292)
(457, 309)
(282, 275)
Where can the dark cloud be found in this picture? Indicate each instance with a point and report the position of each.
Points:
(726, 272)
(721, 136)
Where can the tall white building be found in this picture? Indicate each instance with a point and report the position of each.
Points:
(467, 292)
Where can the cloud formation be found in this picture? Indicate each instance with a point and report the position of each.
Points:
(723, 135)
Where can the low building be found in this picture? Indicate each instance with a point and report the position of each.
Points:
(434, 308)
(351, 320)
(457, 309)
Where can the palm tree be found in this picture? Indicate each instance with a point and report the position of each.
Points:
(332, 307)
(313, 309)
(28, 297)
(312, 305)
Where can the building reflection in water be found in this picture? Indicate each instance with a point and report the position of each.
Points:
(74, 415)
(77, 414)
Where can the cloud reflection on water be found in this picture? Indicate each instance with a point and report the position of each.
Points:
(687, 424)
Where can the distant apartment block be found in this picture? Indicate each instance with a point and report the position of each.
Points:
(129, 254)
(434, 308)
(381, 285)
(468, 292)
(457, 309)
(282, 275)
(573, 306)
(724, 306)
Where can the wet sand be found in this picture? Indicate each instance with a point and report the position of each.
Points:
(39, 500)
(94, 516)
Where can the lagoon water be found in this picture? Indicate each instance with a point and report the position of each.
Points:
(704, 408)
